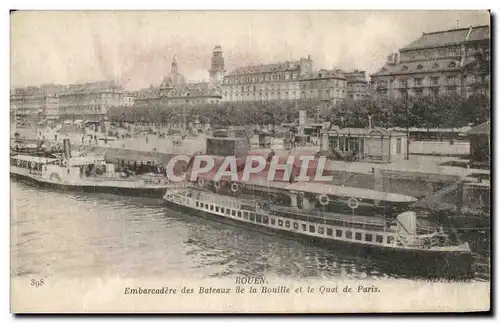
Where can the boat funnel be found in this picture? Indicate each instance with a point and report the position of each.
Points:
(67, 149)
(407, 222)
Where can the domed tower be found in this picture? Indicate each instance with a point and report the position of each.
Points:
(217, 70)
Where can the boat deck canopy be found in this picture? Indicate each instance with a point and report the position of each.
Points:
(344, 191)
(35, 159)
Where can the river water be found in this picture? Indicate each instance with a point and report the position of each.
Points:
(91, 235)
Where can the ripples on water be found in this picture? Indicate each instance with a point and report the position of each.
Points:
(79, 234)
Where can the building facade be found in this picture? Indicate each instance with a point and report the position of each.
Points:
(450, 62)
(33, 104)
(324, 85)
(267, 82)
(89, 101)
(358, 87)
(284, 81)
(128, 99)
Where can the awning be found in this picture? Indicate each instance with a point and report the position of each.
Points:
(345, 191)
(116, 154)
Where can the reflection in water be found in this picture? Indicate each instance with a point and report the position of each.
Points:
(79, 234)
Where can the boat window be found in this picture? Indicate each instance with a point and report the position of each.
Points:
(211, 207)
(287, 224)
(216, 209)
(252, 217)
(357, 236)
(221, 210)
(321, 230)
(348, 234)
(206, 206)
(368, 237)
(329, 232)
(312, 228)
(338, 233)
(239, 214)
(379, 238)
(245, 215)
(280, 223)
(197, 204)
(228, 211)
(295, 225)
(233, 212)
(258, 218)
(265, 219)
(304, 227)
(390, 239)
(201, 204)
(273, 221)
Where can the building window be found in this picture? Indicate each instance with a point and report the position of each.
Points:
(312, 228)
(321, 230)
(435, 91)
(379, 238)
(211, 207)
(368, 237)
(420, 66)
(273, 221)
(265, 219)
(357, 236)
(304, 227)
(404, 68)
(418, 92)
(418, 81)
(435, 80)
(398, 145)
(239, 214)
(348, 234)
(338, 233)
(390, 239)
(329, 232)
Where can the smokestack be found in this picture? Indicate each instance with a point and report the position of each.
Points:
(67, 149)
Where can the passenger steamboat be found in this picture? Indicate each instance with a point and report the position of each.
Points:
(83, 173)
(306, 212)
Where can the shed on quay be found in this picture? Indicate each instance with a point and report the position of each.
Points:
(363, 144)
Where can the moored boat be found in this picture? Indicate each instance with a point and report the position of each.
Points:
(399, 237)
(84, 173)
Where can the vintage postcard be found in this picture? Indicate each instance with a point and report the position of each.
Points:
(250, 161)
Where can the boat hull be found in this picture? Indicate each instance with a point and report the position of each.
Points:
(127, 191)
(427, 264)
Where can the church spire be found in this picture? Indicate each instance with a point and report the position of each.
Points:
(174, 66)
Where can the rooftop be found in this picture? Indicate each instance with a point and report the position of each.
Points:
(419, 67)
(449, 37)
(266, 68)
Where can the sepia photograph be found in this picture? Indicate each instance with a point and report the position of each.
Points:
(298, 161)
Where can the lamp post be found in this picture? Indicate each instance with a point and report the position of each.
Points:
(405, 83)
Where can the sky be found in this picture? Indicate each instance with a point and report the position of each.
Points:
(135, 48)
